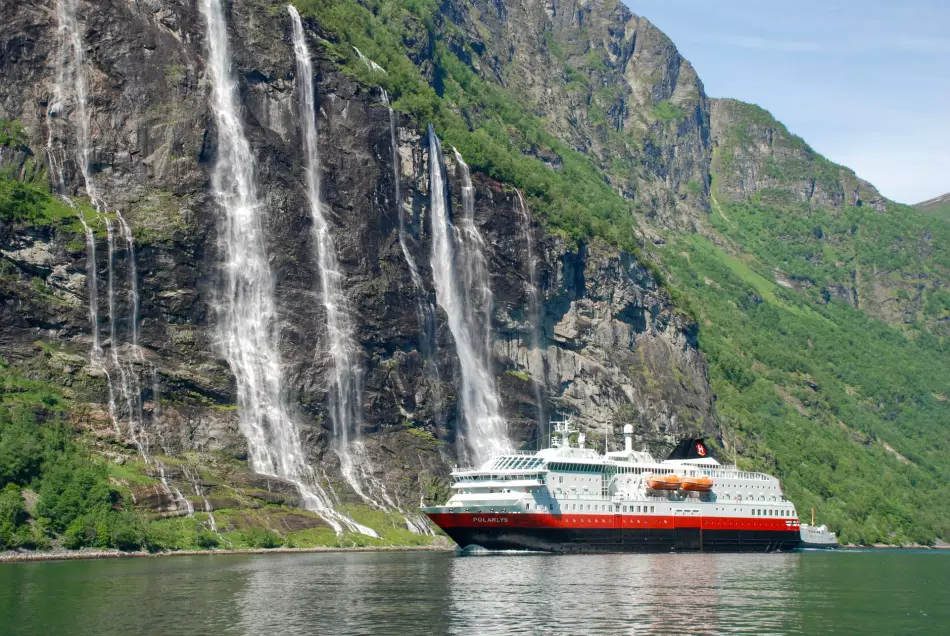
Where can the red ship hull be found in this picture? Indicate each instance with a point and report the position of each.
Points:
(618, 533)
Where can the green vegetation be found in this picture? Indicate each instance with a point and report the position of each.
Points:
(11, 133)
(818, 393)
(521, 375)
(939, 209)
(846, 409)
(30, 203)
(39, 454)
(667, 111)
(484, 121)
(841, 248)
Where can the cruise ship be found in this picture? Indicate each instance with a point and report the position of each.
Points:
(569, 498)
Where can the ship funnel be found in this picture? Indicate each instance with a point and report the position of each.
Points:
(628, 437)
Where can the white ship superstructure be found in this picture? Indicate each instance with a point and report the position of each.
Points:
(570, 498)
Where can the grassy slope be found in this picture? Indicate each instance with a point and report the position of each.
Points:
(61, 485)
(940, 208)
(815, 392)
(819, 394)
(851, 411)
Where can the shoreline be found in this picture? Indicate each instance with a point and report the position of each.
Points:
(87, 555)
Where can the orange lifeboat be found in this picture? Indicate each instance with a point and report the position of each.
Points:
(664, 482)
(697, 484)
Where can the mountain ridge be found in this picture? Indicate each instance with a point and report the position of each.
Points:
(938, 205)
(670, 230)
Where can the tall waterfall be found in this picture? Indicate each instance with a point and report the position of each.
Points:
(346, 393)
(247, 311)
(70, 84)
(425, 311)
(70, 93)
(537, 360)
(462, 290)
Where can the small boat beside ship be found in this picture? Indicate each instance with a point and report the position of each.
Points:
(570, 498)
(817, 537)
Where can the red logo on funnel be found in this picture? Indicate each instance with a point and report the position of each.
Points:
(700, 449)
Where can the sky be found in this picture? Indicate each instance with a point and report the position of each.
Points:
(865, 82)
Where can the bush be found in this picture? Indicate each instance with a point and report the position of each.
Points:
(20, 448)
(73, 488)
(119, 530)
(124, 531)
(262, 538)
(207, 540)
(12, 517)
(79, 534)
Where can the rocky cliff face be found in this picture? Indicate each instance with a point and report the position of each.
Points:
(611, 340)
(610, 84)
(757, 154)
(824, 230)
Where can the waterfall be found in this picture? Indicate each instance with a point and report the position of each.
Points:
(71, 82)
(370, 64)
(425, 310)
(195, 479)
(70, 90)
(133, 285)
(457, 258)
(346, 391)
(394, 145)
(538, 360)
(247, 314)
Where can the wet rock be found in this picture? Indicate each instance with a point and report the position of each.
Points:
(614, 348)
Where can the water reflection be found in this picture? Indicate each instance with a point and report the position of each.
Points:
(626, 594)
(439, 593)
(350, 593)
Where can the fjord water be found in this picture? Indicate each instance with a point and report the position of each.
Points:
(441, 593)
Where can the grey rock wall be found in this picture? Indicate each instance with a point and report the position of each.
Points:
(615, 350)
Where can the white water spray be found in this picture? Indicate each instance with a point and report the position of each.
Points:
(538, 361)
(425, 310)
(370, 64)
(346, 391)
(457, 254)
(247, 312)
(70, 83)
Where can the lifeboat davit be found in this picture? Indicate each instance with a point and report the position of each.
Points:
(697, 484)
(664, 482)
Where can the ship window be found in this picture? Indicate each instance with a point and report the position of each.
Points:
(638, 508)
(527, 506)
(652, 508)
